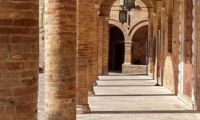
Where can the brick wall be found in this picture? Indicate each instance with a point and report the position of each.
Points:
(137, 17)
(188, 49)
(139, 45)
(170, 60)
(197, 57)
(60, 59)
(82, 59)
(100, 45)
(19, 56)
(41, 35)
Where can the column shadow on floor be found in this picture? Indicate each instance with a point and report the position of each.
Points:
(123, 79)
(134, 95)
(145, 111)
(125, 86)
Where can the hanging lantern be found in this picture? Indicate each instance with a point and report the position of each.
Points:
(129, 3)
(123, 16)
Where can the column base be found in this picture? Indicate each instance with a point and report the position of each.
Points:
(82, 109)
(91, 93)
(95, 83)
(134, 69)
(106, 73)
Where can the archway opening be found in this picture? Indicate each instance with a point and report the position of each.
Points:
(139, 46)
(116, 49)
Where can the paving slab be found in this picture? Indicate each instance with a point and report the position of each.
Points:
(129, 97)
(134, 97)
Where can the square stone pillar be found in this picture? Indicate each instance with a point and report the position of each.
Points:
(127, 57)
(82, 79)
(105, 46)
(100, 45)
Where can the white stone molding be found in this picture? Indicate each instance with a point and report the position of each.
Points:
(194, 50)
(181, 49)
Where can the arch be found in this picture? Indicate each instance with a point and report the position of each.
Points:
(138, 48)
(116, 49)
(136, 27)
(105, 11)
(132, 27)
(120, 26)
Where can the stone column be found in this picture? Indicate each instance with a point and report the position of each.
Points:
(60, 60)
(92, 43)
(96, 32)
(41, 34)
(150, 38)
(82, 57)
(105, 46)
(196, 57)
(100, 45)
(127, 57)
(19, 56)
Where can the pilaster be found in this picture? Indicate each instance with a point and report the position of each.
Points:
(82, 77)
(127, 56)
(100, 45)
(105, 46)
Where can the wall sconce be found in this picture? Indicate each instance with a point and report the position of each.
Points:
(126, 7)
(129, 3)
(122, 16)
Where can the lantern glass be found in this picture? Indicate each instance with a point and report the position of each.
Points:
(123, 16)
(129, 3)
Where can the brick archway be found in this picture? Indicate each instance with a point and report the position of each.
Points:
(136, 27)
(105, 11)
(121, 27)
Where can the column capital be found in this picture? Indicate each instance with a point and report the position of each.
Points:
(106, 18)
(96, 6)
(128, 43)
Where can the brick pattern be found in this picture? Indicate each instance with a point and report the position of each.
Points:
(162, 42)
(150, 38)
(137, 20)
(82, 57)
(95, 51)
(197, 57)
(127, 59)
(100, 45)
(136, 15)
(19, 54)
(92, 49)
(188, 49)
(60, 60)
(135, 69)
(139, 45)
(155, 43)
(41, 34)
(170, 60)
(105, 46)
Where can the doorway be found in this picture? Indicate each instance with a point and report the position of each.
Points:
(116, 49)
(139, 47)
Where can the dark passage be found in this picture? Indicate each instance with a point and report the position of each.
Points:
(116, 49)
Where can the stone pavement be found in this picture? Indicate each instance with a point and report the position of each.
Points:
(41, 97)
(130, 98)
(135, 98)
